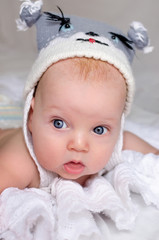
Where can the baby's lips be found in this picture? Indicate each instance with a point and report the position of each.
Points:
(74, 167)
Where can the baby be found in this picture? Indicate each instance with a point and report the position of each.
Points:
(77, 95)
(74, 120)
(78, 92)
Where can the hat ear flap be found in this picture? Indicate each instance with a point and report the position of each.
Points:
(138, 34)
(29, 13)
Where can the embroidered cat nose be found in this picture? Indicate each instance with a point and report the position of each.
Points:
(91, 40)
(92, 34)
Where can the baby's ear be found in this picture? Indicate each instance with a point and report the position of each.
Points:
(30, 115)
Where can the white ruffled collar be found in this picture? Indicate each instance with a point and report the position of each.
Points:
(110, 195)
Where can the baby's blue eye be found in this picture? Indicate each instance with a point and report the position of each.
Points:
(59, 124)
(100, 130)
(67, 27)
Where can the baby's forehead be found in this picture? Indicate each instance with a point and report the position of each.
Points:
(88, 70)
(84, 66)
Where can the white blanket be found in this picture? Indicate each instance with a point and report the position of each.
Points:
(123, 204)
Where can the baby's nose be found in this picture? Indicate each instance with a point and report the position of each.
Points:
(78, 142)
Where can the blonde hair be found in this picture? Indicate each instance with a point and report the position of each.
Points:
(88, 65)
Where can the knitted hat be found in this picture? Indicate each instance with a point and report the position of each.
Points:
(61, 37)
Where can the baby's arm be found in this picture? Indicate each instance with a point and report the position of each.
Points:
(12, 174)
(16, 166)
(133, 142)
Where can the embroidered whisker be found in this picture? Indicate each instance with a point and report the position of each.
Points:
(56, 18)
(123, 39)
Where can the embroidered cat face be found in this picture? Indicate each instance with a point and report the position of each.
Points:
(50, 26)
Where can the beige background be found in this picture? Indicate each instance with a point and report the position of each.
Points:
(18, 49)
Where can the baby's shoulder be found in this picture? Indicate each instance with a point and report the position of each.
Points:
(17, 169)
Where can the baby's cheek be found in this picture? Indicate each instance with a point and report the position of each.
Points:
(105, 155)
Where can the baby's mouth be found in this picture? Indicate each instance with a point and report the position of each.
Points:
(74, 167)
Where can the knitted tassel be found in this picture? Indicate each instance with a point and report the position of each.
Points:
(32, 7)
(21, 25)
(138, 34)
(29, 13)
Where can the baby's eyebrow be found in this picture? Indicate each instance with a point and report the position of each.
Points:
(100, 118)
(108, 121)
(54, 109)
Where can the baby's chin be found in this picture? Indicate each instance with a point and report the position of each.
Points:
(81, 180)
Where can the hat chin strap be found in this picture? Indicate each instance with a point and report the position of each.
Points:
(46, 177)
(114, 160)
(116, 157)
(27, 134)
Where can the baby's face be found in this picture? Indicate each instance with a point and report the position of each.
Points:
(75, 122)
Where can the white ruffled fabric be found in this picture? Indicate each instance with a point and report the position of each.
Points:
(67, 211)
(26, 214)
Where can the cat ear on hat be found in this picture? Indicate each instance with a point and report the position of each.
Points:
(138, 35)
(29, 14)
